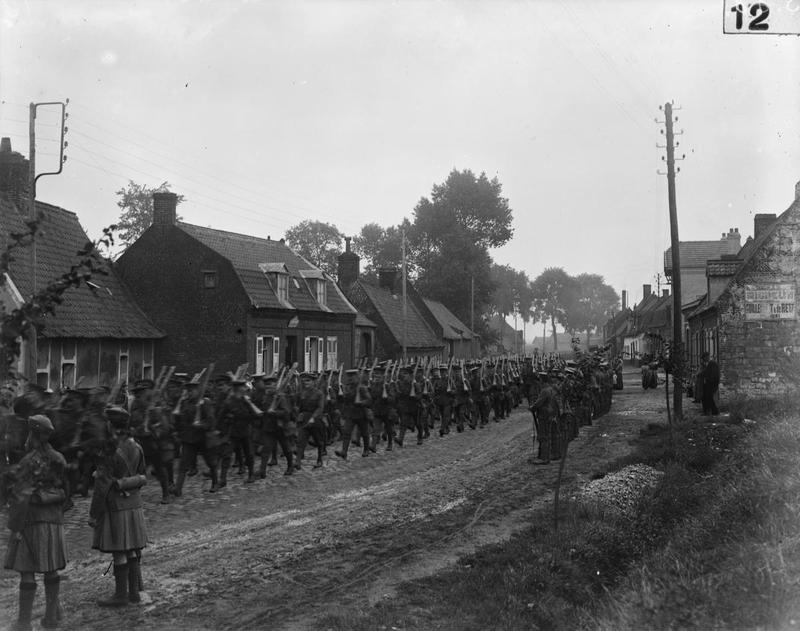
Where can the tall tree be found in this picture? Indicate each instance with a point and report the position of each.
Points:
(317, 241)
(136, 202)
(554, 292)
(595, 303)
(383, 247)
(450, 239)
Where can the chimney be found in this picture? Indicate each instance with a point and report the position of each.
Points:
(646, 291)
(624, 299)
(762, 222)
(164, 205)
(389, 278)
(348, 265)
(664, 293)
(14, 174)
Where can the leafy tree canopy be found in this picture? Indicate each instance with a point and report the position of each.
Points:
(554, 295)
(317, 241)
(594, 304)
(136, 202)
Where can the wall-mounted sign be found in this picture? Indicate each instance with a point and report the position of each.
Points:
(294, 322)
(769, 301)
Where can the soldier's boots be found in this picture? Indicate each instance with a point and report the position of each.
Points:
(366, 450)
(342, 453)
(133, 581)
(289, 464)
(401, 437)
(165, 496)
(250, 476)
(52, 613)
(262, 471)
(178, 490)
(27, 592)
(120, 596)
(318, 464)
(223, 477)
(389, 440)
(373, 446)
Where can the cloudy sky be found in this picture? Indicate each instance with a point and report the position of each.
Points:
(267, 113)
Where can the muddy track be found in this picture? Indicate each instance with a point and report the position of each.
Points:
(284, 550)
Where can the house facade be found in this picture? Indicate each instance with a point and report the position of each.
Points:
(748, 318)
(230, 298)
(98, 334)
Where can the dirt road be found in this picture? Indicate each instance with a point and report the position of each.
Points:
(285, 550)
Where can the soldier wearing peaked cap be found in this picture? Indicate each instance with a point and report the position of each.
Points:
(408, 406)
(546, 411)
(145, 416)
(36, 520)
(310, 421)
(277, 418)
(354, 403)
(195, 425)
(235, 419)
(384, 400)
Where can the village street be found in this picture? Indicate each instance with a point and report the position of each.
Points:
(287, 549)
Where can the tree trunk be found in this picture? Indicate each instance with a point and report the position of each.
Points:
(555, 337)
(588, 336)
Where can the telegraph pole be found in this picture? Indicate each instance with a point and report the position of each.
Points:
(32, 354)
(405, 304)
(676, 354)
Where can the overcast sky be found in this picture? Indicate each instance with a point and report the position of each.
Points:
(267, 113)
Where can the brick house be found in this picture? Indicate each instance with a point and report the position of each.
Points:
(429, 329)
(98, 333)
(231, 298)
(748, 318)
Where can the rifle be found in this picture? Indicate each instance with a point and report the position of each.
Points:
(464, 382)
(481, 375)
(201, 388)
(161, 382)
(451, 386)
(426, 378)
(283, 382)
(341, 374)
(414, 393)
(385, 393)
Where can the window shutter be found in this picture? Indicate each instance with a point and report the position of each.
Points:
(307, 354)
(259, 354)
(276, 352)
(320, 349)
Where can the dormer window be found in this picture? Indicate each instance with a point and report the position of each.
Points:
(281, 283)
(318, 285)
(278, 276)
(321, 287)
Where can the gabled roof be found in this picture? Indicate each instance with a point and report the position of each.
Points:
(254, 258)
(108, 311)
(390, 309)
(452, 327)
(749, 251)
(696, 253)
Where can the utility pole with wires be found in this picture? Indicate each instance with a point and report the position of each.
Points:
(30, 368)
(405, 304)
(676, 353)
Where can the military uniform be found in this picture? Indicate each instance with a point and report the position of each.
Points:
(275, 425)
(546, 410)
(235, 419)
(354, 403)
(195, 426)
(383, 409)
(144, 416)
(310, 422)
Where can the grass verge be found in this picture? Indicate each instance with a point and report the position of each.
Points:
(715, 545)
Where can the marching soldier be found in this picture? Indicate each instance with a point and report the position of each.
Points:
(310, 423)
(235, 419)
(546, 411)
(354, 403)
(408, 405)
(276, 419)
(462, 400)
(383, 408)
(443, 399)
(144, 416)
(194, 419)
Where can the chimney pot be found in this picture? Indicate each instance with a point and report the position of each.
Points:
(388, 279)
(646, 290)
(624, 299)
(761, 222)
(164, 208)
(5, 145)
(665, 293)
(347, 266)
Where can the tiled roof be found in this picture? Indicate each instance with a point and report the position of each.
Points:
(362, 320)
(452, 327)
(696, 253)
(721, 267)
(390, 308)
(109, 311)
(251, 255)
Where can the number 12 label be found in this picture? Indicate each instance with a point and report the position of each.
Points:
(776, 17)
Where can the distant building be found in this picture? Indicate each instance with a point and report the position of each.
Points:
(231, 298)
(693, 258)
(426, 328)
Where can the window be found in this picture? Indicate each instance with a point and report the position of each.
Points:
(43, 362)
(209, 279)
(268, 350)
(68, 353)
(123, 364)
(321, 292)
(282, 287)
(147, 360)
(332, 358)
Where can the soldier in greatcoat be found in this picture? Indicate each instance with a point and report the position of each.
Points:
(36, 520)
(116, 512)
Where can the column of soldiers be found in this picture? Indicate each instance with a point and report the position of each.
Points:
(234, 419)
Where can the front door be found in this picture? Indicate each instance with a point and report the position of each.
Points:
(290, 356)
